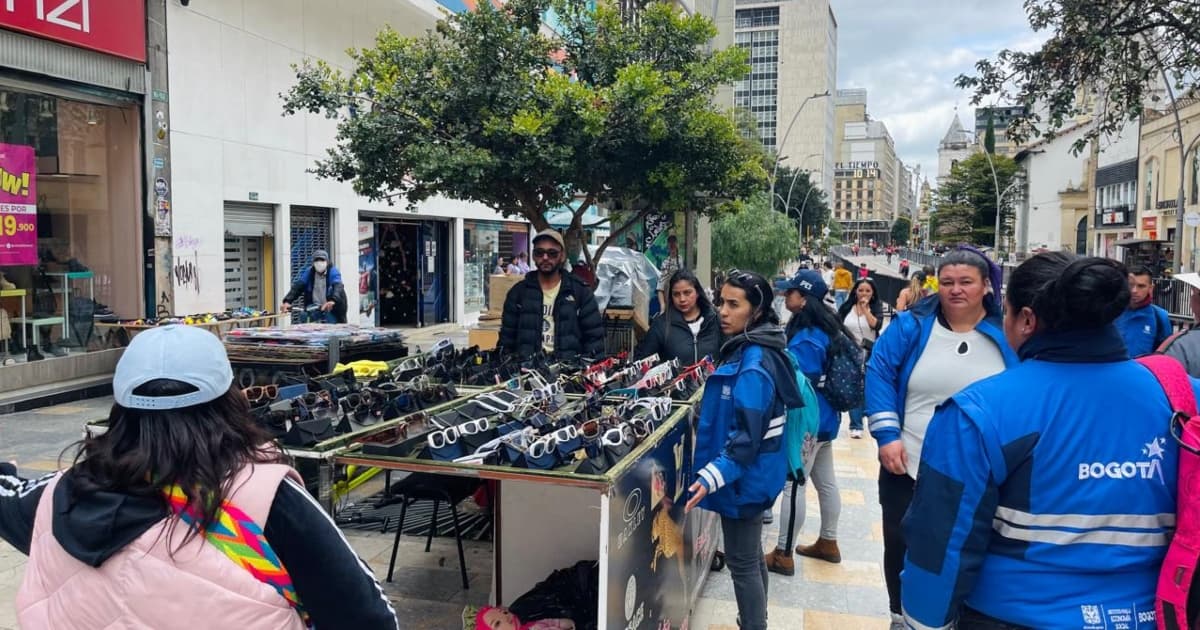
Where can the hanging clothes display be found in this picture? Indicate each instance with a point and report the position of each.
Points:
(398, 274)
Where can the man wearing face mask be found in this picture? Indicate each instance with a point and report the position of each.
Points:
(321, 285)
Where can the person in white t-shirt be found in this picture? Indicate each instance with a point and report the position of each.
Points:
(927, 354)
(862, 315)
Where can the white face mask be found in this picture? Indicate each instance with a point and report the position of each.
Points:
(320, 266)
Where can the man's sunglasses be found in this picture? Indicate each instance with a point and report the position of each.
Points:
(546, 253)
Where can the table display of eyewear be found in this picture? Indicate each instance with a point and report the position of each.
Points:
(323, 345)
(591, 466)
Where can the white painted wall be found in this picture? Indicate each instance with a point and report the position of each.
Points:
(1121, 147)
(229, 61)
(1051, 168)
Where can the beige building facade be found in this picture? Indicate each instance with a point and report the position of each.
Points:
(789, 92)
(1159, 160)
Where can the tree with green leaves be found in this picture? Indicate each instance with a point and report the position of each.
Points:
(953, 223)
(755, 239)
(1106, 60)
(1119, 51)
(493, 108)
(972, 186)
(808, 207)
(901, 230)
(989, 136)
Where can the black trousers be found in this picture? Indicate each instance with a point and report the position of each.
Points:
(895, 495)
(971, 619)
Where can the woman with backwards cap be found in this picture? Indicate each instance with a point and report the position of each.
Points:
(182, 510)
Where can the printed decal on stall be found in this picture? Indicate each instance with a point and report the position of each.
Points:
(18, 205)
(116, 27)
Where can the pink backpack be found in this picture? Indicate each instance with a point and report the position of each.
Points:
(1174, 604)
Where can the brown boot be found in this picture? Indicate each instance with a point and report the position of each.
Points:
(823, 549)
(781, 562)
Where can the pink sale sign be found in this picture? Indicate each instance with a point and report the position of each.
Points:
(18, 205)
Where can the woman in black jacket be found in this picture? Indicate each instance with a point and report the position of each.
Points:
(689, 330)
(862, 315)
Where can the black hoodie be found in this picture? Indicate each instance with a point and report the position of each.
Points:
(337, 588)
(772, 338)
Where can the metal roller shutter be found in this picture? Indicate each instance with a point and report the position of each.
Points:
(310, 231)
(243, 273)
(243, 219)
(32, 54)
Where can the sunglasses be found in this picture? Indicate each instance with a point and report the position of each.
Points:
(618, 436)
(444, 437)
(259, 393)
(546, 253)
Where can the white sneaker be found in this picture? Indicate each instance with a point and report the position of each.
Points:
(898, 623)
(856, 434)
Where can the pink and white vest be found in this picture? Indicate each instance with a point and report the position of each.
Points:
(143, 586)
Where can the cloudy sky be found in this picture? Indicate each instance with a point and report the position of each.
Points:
(906, 53)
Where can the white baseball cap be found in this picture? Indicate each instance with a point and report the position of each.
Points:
(178, 353)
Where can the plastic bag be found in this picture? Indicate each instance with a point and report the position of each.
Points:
(619, 273)
(572, 593)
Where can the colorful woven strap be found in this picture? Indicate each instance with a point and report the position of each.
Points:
(241, 539)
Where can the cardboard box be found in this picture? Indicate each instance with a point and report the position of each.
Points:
(498, 287)
(485, 338)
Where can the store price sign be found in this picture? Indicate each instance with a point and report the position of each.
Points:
(18, 205)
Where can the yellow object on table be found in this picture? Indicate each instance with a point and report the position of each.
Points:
(364, 368)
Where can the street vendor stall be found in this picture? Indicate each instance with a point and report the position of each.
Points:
(625, 513)
(259, 355)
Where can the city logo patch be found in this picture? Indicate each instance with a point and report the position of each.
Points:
(726, 391)
(1146, 329)
(1091, 614)
(1148, 468)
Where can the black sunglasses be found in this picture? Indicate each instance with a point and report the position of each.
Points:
(546, 253)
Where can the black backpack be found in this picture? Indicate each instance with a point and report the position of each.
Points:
(845, 374)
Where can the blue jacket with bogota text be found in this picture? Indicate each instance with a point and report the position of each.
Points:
(895, 354)
(1046, 493)
(739, 436)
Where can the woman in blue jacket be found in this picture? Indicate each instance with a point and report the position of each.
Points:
(809, 332)
(739, 436)
(929, 352)
(1046, 497)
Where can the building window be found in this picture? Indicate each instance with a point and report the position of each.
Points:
(757, 18)
(1149, 186)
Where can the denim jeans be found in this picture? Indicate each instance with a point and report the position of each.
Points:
(839, 297)
(748, 568)
(820, 472)
(856, 418)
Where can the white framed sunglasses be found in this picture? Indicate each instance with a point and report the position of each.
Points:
(442, 437)
(543, 446)
(621, 435)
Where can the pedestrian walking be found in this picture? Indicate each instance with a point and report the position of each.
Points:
(904, 268)
(689, 330)
(863, 271)
(739, 435)
(862, 317)
(1144, 325)
(809, 333)
(319, 285)
(1012, 524)
(182, 514)
(843, 281)
(927, 354)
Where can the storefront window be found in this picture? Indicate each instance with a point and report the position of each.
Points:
(79, 243)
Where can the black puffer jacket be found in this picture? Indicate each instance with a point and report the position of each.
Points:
(671, 338)
(578, 327)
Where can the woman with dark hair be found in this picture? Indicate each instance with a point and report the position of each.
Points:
(862, 317)
(182, 510)
(928, 353)
(689, 330)
(1055, 499)
(809, 332)
(741, 462)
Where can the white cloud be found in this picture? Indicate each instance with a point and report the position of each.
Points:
(907, 53)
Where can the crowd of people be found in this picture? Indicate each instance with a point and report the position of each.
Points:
(1027, 465)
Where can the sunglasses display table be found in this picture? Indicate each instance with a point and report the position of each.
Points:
(653, 558)
(309, 348)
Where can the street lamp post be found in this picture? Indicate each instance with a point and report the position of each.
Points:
(788, 132)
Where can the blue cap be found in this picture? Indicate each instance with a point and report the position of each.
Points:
(178, 353)
(806, 281)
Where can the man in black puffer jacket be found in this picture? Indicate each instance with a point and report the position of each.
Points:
(551, 311)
